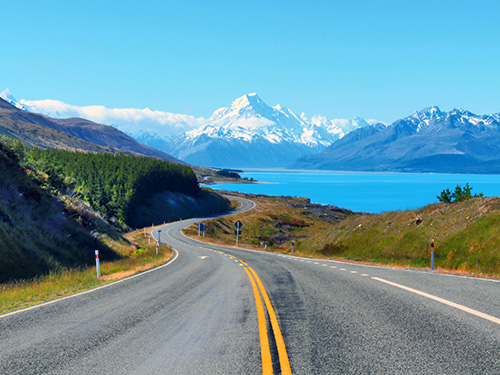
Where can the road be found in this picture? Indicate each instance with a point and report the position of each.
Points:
(206, 313)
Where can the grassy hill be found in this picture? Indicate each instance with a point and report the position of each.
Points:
(466, 234)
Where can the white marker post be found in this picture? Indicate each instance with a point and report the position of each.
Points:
(432, 254)
(98, 269)
(157, 248)
(293, 245)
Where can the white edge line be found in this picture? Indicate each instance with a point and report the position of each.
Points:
(91, 290)
(442, 300)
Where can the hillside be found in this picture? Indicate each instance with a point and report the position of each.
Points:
(430, 140)
(57, 207)
(465, 233)
(70, 134)
(41, 233)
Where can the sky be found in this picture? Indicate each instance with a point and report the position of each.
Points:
(381, 59)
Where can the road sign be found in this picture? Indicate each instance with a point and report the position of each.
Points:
(238, 225)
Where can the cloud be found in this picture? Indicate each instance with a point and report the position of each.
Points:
(129, 120)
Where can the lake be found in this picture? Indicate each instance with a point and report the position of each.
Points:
(363, 191)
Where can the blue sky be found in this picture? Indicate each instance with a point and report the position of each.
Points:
(375, 59)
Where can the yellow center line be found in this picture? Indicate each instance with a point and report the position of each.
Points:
(280, 343)
(265, 351)
(243, 262)
(229, 255)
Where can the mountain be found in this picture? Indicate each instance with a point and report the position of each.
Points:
(249, 133)
(430, 140)
(72, 133)
(150, 127)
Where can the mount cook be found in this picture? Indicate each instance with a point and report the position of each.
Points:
(249, 133)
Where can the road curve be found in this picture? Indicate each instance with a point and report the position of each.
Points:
(200, 315)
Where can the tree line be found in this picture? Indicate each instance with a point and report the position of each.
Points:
(116, 183)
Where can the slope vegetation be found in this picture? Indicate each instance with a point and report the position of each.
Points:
(42, 233)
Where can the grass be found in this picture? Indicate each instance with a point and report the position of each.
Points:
(466, 234)
(137, 257)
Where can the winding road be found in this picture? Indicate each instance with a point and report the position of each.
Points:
(227, 310)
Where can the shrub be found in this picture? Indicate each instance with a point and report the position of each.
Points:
(460, 194)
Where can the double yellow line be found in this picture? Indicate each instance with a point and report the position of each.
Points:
(267, 364)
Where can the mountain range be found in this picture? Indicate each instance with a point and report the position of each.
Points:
(248, 133)
(251, 134)
(430, 140)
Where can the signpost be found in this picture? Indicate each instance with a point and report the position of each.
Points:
(159, 241)
(201, 228)
(238, 225)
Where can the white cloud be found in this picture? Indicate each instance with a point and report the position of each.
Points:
(130, 120)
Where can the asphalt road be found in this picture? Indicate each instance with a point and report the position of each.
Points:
(205, 313)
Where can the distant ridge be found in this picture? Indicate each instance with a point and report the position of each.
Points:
(72, 134)
(429, 140)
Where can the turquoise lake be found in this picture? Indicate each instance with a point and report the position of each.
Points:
(367, 192)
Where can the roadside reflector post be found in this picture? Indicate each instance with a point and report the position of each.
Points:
(432, 254)
(149, 240)
(219, 239)
(97, 266)
(157, 248)
(293, 245)
(246, 241)
(204, 226)
(144, 231)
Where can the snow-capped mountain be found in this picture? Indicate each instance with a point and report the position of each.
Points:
(429, 140)
(249, 133)
(7, 96)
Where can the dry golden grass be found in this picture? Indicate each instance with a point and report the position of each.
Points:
(466, 234)
(138, 256)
